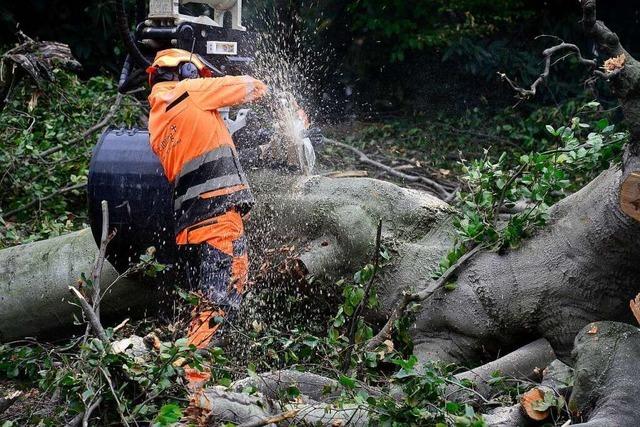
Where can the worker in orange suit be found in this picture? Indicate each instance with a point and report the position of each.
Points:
(211, 193)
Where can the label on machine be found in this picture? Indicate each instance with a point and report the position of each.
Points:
(222, 48)
(163, 8)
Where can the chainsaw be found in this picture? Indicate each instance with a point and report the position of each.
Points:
(126, 173)
(213, 29)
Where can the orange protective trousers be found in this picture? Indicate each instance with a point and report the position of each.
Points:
(221, 271)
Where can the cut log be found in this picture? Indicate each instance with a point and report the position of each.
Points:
(630, 196)
(525, 363)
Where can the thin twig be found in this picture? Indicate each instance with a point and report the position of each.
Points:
(91, 316)
(107, 377)
(105, 238)
(408, 298)
(512, 178)
(272, 420)
(96, 272)
(353, 326)
(89, 411)
(83, 417)
(47, 197)
(102, 123)
(363, 158)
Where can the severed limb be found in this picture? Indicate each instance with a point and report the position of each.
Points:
(523, 363)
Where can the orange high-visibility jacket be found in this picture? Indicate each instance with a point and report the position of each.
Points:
(195, 147)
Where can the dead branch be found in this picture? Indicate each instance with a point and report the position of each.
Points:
(363, 158)
(606, 39)
(101, 124)
(36, 59)
(45, 198)
(92, 311)
(96, 272)
(408, 298)
(548, 56)
(91, 315)
(272, 420)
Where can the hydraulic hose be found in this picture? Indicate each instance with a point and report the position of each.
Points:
(124, 74)
(127, 38)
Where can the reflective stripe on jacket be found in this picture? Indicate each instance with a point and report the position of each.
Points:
(195, 148)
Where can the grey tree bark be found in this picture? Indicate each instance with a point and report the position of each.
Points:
(605, 390)
(34, 280)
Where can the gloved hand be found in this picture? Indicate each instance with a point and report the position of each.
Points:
(315, 136)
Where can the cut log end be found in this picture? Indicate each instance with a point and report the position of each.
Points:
(630, 196)
(529, 401)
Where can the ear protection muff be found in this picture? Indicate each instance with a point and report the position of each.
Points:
(161, 74)
(188, 70)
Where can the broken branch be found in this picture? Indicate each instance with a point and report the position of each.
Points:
(105, 238)
(548, 55)
(91, 315)
(363, 158)
(408, 298)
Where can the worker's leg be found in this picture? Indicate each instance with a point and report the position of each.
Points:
(221, 274)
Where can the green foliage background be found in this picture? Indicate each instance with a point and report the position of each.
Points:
(369, 44)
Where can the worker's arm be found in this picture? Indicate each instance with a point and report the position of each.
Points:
(214, 93)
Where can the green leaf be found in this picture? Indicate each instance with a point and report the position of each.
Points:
(451, 286)
(168, 415)
(348, 382)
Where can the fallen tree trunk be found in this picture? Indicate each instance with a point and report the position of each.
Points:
(330, 222)
(34, 281)
(552, 286)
